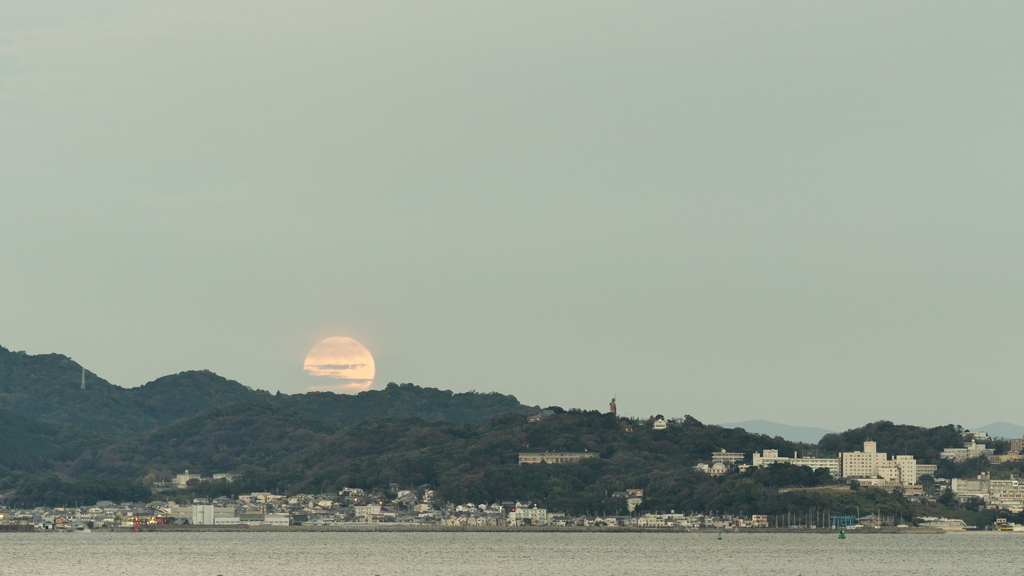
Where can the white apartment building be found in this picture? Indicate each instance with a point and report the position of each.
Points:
(367, 510)
(528, 517)
(862, 464)
(1007, 494)
(727, 458)
(830, 464)
(902, 469)
(769, 457)
(554, 457)
(970, 450)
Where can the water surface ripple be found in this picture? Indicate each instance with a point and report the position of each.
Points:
(507, 554)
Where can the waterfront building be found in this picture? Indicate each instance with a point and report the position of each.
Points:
(203, 514)
(951, 524)
(528, 517)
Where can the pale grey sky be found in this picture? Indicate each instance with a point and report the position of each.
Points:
(803, 212)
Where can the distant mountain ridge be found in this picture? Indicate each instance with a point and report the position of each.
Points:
(805, 434)
(1001, 430)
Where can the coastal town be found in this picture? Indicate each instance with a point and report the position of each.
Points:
(395, 506)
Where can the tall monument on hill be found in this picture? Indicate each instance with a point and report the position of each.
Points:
(611, 407)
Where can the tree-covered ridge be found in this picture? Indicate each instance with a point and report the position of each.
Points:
(287, 450)
(401, 401)
(185, 394)
(925, 444)
(234, 438)
(48, 388)
(30, 445)
(480, 462)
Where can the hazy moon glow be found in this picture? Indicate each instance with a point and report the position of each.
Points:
(343, 359)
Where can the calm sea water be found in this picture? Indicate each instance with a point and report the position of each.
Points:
(412, 554)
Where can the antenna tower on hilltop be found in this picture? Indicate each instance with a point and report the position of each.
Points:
(83, 377)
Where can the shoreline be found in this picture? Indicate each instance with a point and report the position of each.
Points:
(384, 527)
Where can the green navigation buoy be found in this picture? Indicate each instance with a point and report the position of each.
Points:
(842, 534)
(719, 535)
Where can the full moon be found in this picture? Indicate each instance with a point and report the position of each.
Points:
(343, 359)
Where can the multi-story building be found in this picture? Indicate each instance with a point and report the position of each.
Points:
(862, 464)
(830, 464)
(727, 458)
(769, 457)
(1007, 494)
(528, 517)
(554, 457)
(902, 470)
(1016, 445)
(970, 450)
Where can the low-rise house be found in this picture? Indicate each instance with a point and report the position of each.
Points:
(653, 521)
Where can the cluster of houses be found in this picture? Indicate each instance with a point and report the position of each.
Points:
(350, 506)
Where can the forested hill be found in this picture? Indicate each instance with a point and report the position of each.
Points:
(284, 451)
(47, 388)
(404, 401)
(925, 444)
